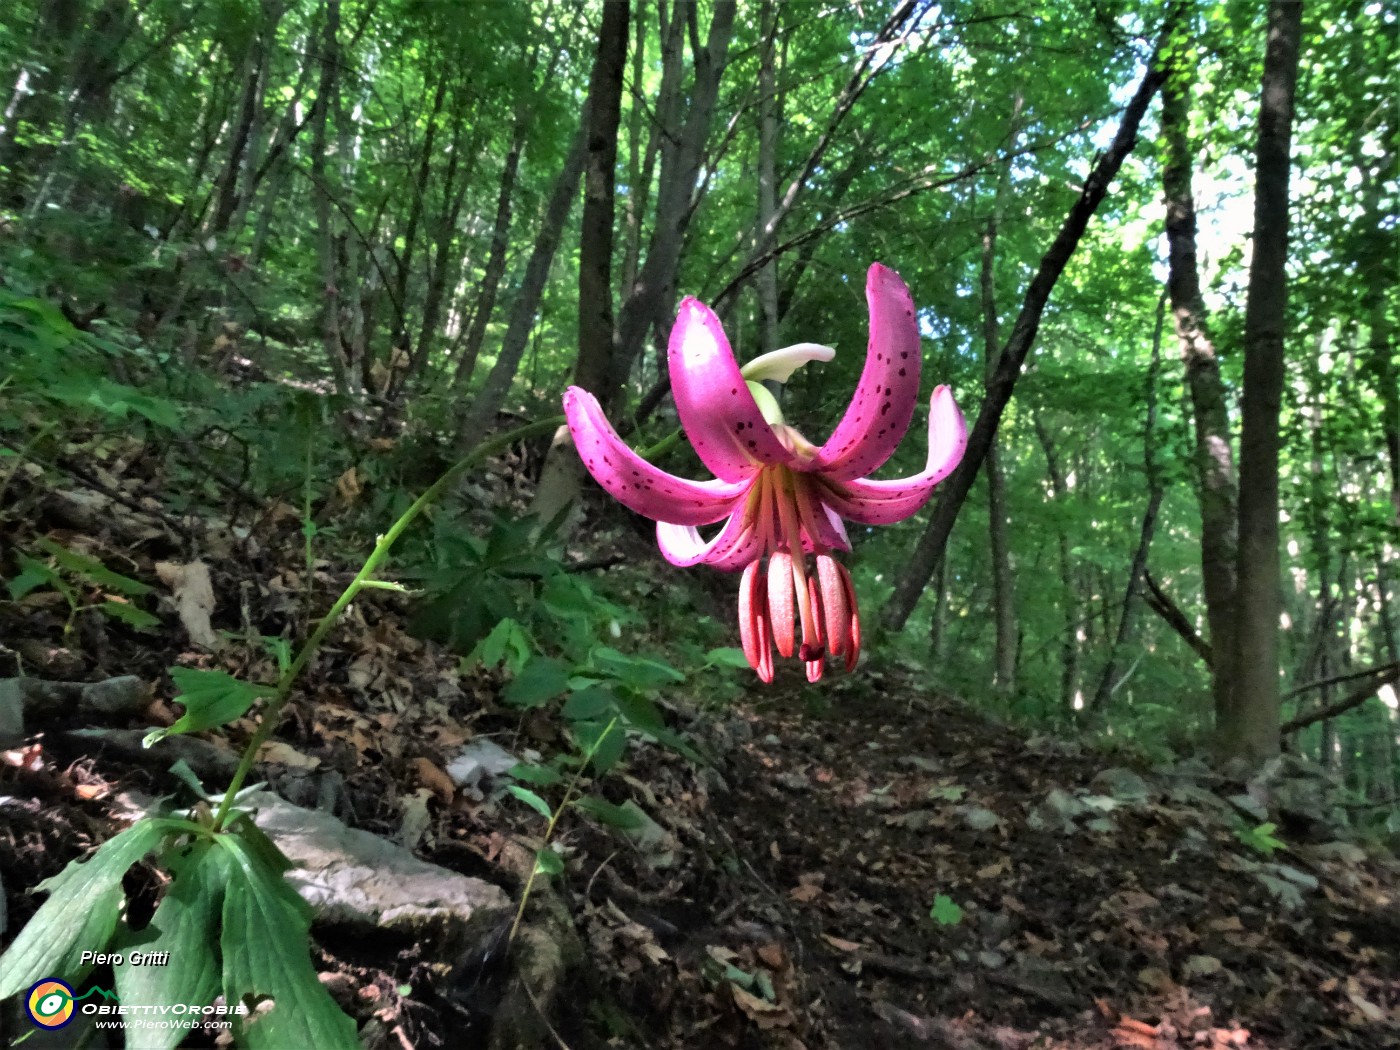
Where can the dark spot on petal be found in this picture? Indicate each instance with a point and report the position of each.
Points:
(901, 371)
(904, 353)
(884, 408)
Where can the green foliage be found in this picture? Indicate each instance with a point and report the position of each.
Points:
(945, 911)
(1260, 838)
(210, 698)
(71, 575)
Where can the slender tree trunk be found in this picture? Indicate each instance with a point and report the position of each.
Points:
(398, 337)
(234, 182)
(634, 204)
(655, 287)
(954, 491)
(999, 538)
(479, 418)
(1069, 637)
(346, 381)
(1251, 729)
(561, 478)
(596, 336)
(496, 260)
(1155, 491)
(1214, 456)
(767, 172)
(875, 58)
(1381, 271)
(938, 622)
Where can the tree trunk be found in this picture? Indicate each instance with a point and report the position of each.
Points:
(596, 337)
(561, 478)
(1069, 638)
(346, 382)
(1381, 269)
(655, 287)
(234, 182)
(1155, 491)
(634, 203)
(417, 197)
(1214, 456)
(1251, 728)
(767, 172)
(479, 418)
(954, 491)
(496, 260)
(999, 539)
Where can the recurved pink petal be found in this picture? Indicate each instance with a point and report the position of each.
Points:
(885, 502)
(733, 547)
(719, 414)
(633, 481)
(822, 529)
(884, 400)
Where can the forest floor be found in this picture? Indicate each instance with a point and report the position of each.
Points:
(859, 865)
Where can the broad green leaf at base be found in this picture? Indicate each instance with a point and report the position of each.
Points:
(81, 912)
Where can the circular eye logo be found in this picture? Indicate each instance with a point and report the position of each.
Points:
(50, 1003)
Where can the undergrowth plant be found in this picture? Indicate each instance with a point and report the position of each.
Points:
(83, 582)
(238, 928)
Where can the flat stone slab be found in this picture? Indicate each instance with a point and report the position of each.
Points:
(353, 877)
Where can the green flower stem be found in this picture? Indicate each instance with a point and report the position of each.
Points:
(362, 580)
(549, 831)
(663, 446)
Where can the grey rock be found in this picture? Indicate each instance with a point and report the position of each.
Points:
(979, 818)
(11, 712)
(1122, 784)
(482, 759)
(353, 878)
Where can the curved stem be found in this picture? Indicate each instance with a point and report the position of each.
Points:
(362, 579)
(549, 831)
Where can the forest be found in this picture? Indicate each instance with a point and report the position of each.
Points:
(794, 524)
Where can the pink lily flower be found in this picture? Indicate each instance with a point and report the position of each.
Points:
(780, 497)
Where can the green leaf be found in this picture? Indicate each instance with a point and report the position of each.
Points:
(33, 574)
(92, 569)
(81, 912)
(640, 712)
(945, 911)
(549, 862)
(1261, 838)
(541, 775)
(728, 657)
(636, 671)
(186, 925)
(492, 649)
(607, 813)
(129, 614)
(539, 681)
(266, 930)
(532, 800)
(589, 702)
(211, 698)
(603, 743)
